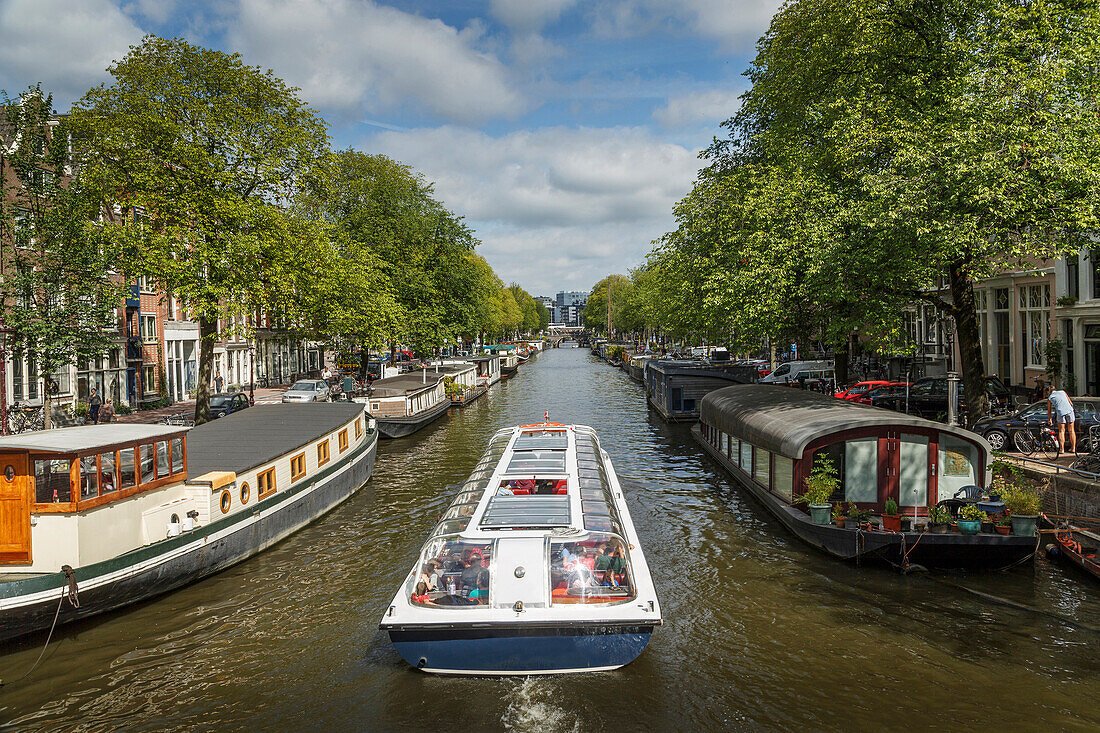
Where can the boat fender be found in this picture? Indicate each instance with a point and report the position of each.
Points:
(518, 607)
(1053, 551)
(422, 663)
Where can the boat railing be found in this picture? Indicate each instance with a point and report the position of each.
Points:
(1056, 468)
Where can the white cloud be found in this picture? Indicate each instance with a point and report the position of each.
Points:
(157, 11)
(732, 22)
(67, 46)
(555, 207)
(354, 56)
(528, 15)
(715, 105)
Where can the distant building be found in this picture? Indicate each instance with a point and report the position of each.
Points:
(568, 308)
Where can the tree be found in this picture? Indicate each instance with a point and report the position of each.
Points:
(57, 286)
(197, 151)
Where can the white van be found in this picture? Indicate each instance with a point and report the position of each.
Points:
(792, 371)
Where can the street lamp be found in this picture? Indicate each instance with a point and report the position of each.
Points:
(949, 332)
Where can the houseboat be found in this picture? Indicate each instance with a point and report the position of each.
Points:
(768, 438)
(403, 404)
(675, 387)
(488, 369)
(461, 382)
(535, 568)
(509, 359)
(636, 366)
(101, 516)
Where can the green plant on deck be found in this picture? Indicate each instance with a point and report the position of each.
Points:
(821, 483)
(891, 507)
(838, 510)
(1021, 500)
(1004, 522)
(939, 515)
(972, 513)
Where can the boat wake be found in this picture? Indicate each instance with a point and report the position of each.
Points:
(531, 708)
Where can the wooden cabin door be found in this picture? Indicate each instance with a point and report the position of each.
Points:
(905, 459)
(15, 510)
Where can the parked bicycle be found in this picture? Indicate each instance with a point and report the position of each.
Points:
(1090, 462)
(23, 418)
(1037, 439)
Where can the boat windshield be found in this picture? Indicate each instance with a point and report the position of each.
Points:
(592, 569)
(453, 573)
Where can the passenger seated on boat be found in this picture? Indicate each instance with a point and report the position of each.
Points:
(523, 486)
(454, 563)
(559, 486)
(424, 584)
(611, 564)
(475, 579)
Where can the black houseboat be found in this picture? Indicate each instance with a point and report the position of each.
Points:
(674, 387)
(767, 438)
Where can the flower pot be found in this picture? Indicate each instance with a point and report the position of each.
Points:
(954, 526)
(987, 527)
(906, 523)
(891, 522)
(840, 522)
(939, 528)
(1003, 528)
(1023, 525)
(820, 513)
(969, 526)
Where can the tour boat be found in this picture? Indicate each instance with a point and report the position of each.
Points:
(535, 568)
(768, 438)
(101, 516)
(403, 404)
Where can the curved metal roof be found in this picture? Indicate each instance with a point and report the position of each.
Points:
(785, 420)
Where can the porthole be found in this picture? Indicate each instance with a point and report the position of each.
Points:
(227, 501)
(244, 493)
(9, 473)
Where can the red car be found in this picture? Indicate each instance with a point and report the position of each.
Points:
(859, 388)
(882, 390)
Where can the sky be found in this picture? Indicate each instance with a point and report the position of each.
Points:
(564, 131)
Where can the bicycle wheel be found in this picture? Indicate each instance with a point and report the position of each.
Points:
(1089, 464)
(1025, 442)
(1049, 445)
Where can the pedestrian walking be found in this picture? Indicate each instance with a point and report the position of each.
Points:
(218, 382)
(1059, 403)
(94, 402)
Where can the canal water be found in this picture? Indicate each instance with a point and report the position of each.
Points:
(760, 632)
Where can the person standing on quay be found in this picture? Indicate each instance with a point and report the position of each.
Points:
(1061, 405)
(218, 382)
(94, 401)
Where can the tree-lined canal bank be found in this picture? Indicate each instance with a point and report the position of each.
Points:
(759, 633)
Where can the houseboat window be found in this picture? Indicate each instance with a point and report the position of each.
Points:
(458, 574)
(177, 455)
(127, 469)
(746, 457)
(784, 476)
(595, 569)
(162, 459)
(343, 437)
(89, 477)
(957, 460)
(858, 469)
(322, 453)
(358, 428)
(762, 469)
(735, 450)
(108, 474)
(52, 481)
(147, 463)
(297, 467)
(265, 483)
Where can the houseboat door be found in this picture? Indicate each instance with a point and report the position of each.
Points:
(912, 473)
(15, 510)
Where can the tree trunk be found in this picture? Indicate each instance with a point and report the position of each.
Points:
(47, 405)
(208, 334)
(840, 366)
(969, 339)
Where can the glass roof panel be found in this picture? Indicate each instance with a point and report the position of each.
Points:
(527, 511)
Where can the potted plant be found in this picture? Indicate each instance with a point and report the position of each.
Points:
(1024, 505)
(939, 519)
(970, 519)
(891, 522)
(838, 515)
(1003, 526)
(820, 485)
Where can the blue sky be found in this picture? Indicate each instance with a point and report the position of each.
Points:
(563, 130)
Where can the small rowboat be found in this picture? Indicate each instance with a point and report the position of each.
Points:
(1081, 547)
(534, 569)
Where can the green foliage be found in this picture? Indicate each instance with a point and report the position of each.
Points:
(971, 512)
(1022, 499)
(939, 515)
(822, 482)
(891, 507)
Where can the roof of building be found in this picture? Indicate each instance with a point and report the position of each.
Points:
(86, 437)
(250, 438)
(785, 420)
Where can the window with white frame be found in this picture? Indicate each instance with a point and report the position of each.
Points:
(148, 327)
(148, 378)
(146, 284)
(1035, 323)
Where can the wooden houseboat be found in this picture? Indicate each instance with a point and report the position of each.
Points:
(461, 383)
(767, 438)
(509, 359)
(636, 366)
(108, 515)
(403, 404)
(488, 369)
(535, 568)
(675, 387)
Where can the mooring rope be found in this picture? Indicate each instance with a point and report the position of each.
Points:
(70, 591)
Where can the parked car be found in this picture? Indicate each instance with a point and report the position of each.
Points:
(308, 390)
(928, 398)
(225, 403)
(876, 395)
(792, 372)
(999, 429)
(859, 388)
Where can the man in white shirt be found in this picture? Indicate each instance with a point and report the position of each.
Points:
(1059, 403)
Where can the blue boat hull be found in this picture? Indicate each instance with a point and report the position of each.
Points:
(541, 650)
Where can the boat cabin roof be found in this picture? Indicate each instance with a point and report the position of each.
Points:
(404, 384)
(86, 437)
(785, 420)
